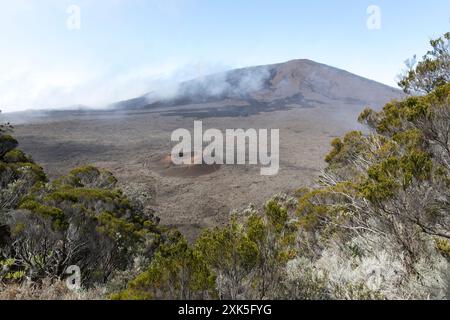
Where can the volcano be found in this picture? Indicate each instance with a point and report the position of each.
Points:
(242, 92)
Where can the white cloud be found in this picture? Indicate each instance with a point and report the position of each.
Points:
(41, 85)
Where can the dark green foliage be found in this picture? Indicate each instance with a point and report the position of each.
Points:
(343, 151)
(243, 259)
(56, 215)
(7, 143)
(18, 173)
(16, 156)
(176, 272)
(109, 230)
(432, 71)
(88, 177)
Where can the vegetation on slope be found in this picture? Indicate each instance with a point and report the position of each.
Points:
(80, 219)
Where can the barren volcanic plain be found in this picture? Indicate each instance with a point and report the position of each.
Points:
(310, 103)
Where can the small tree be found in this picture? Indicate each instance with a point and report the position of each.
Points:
(431, 72)
(176, 272)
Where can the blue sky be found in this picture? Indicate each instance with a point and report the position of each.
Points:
(128, 47)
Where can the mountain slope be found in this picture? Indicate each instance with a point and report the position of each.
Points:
(301, 83)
